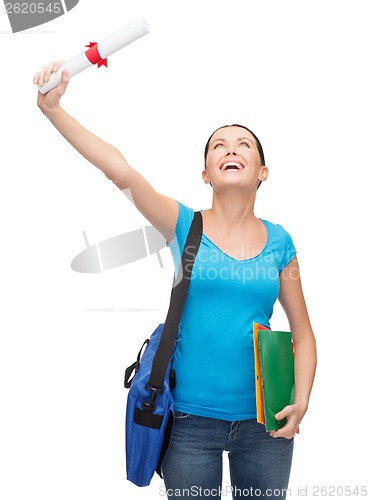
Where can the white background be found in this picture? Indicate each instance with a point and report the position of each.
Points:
(293, 71)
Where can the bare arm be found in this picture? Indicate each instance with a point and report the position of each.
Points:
(158, 209)
(292, 300)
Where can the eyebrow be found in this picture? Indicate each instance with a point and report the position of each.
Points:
(239, 139)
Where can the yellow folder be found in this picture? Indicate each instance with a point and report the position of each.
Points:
(260, 417)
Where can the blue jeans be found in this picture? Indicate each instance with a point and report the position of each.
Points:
(259, 464)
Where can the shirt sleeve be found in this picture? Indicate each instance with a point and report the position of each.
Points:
(288, 250)
(184, 220)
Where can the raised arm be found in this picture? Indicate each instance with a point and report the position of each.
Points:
(160, 210)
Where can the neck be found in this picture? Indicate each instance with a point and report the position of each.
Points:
(233, 211)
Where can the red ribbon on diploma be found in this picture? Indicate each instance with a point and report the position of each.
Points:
(93, 55)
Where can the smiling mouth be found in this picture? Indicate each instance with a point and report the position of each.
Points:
(231, 165)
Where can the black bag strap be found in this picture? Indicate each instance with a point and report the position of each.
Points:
(177, 300)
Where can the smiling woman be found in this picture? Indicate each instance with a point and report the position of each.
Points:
(251, 141)
(244, 264)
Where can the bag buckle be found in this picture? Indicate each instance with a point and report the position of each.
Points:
(151, 405)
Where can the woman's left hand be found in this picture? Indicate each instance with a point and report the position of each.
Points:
(294, 414)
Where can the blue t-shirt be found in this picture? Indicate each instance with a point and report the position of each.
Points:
(214, 359)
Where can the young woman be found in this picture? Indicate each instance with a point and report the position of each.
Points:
(243, 265)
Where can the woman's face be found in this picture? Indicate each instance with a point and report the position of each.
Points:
(233, 158)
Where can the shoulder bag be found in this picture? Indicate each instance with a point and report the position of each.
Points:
(149, 414)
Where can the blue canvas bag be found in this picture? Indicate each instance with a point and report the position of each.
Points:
(149, 413)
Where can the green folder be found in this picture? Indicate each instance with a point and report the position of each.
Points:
(277, 374)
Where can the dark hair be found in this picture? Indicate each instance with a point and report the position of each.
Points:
(258, 144)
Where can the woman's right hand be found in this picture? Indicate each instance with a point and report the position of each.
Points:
(50, 101)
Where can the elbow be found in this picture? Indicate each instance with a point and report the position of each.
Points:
(120, 185)
(117, 170)
(306, 341)
(306, 349)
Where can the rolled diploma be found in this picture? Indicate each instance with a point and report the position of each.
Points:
(106, 48)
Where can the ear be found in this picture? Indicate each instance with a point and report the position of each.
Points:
(264, 172)
(205, 176)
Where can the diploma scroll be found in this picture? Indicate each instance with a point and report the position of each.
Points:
(98, 52)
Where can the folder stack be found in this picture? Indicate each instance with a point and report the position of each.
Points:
(274, 374)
